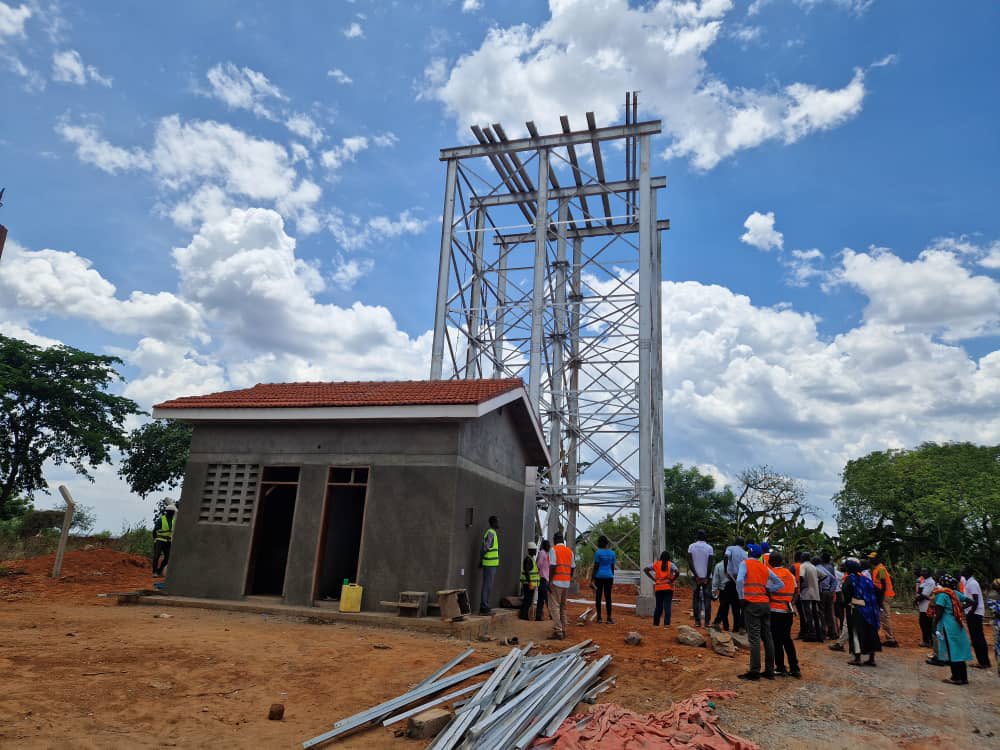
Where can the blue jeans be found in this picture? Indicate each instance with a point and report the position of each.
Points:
(664, 603)
(702, 603)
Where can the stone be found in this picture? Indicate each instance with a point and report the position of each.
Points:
(276, 712)
(427, 724)
(722, 643)
(740, 640)
(689, 636)
(633, 638)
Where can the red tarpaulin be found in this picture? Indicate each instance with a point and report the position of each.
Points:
(687, 725)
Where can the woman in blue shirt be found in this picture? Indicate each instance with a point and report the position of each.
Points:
(604, 574)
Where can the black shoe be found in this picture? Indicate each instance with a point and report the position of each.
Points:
(796, 674)
(934, 662)
(610, 621)
(598, 620)
(485, 612)
(751, 676)
(891, 644)
(780, 671)
(767, 675)
(836, 647)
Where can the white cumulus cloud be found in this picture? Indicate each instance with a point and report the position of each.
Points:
(534, 72)
(340, 76)
(68, 67)
(761, 232)
(354, 31)
(243, 88)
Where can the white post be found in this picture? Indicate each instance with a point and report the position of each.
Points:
(67, 522)
(644, 488)
(441, 308)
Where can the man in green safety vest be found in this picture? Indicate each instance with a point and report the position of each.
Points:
(163, 536)
(529, 580)
(489, 561)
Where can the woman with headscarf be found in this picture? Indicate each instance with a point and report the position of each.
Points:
(949, 624)
(862, 615)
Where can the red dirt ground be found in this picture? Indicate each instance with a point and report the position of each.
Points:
(81, 672)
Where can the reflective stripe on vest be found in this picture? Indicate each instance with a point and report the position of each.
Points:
(781, 600)
(491, 558)
(883, 582)
(533, 578)
(766, 558)
(563, 570)
(664, 576)
(755, 583)
(166, 531)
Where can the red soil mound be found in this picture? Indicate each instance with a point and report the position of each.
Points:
(85, 573)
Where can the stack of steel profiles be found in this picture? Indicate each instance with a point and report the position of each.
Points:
(523, 697)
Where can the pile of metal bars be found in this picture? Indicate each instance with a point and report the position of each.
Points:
(523, 698)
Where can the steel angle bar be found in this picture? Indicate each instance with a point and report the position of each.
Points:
(487, 721)
(572, 694)
(430, 704)
(454, 732)
(593, 134)
(447, 667)
(602, 687)
(382, 710)
(527, 715)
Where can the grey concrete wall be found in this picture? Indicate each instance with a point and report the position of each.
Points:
(422, 477)
(492, 442)
(407, 536)
(206, 560)
(488, 498)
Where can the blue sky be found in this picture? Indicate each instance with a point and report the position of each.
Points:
(232, 192)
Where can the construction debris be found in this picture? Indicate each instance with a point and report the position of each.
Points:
(523, 698)
(276, 712)
(688, 725)
(634, 638)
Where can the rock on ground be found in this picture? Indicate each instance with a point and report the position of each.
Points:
(428, 723)
(633, 638)
(689, 636)
(722, 643)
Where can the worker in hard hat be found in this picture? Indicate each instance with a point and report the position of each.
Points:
(163, 536)
(529, 580)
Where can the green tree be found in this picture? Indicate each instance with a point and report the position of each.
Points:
(692, 503)
(54, 406)
(623, 533)
(936, 504)
(155, 456)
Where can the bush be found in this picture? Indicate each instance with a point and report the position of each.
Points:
(136, 540)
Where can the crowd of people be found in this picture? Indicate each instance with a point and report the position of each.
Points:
(849, 603)
(761, 592)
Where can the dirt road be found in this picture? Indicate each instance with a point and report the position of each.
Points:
(81, 672)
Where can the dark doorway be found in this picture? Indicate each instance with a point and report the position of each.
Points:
(273, 530)
(343, 519)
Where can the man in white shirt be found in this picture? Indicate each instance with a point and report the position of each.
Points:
(977, 610)
(700, 554)
(924, 596)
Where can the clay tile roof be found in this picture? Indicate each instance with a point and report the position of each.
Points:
(394, 393)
